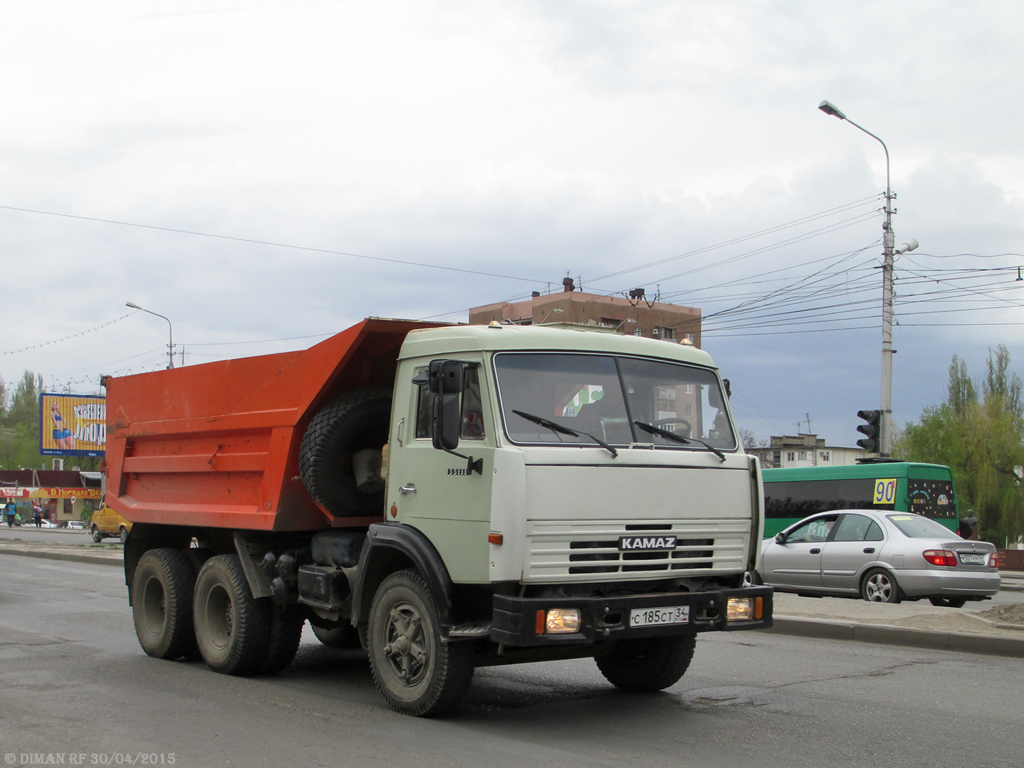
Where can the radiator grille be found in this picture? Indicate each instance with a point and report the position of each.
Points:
(581, 551)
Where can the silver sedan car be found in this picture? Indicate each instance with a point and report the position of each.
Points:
(880, 555)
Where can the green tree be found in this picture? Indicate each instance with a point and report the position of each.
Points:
(19, 425)
(982, 441)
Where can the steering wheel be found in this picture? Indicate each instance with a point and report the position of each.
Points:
(686, 425)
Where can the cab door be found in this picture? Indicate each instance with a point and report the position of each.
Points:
(434, 490)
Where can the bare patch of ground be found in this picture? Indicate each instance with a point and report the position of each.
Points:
(1005, 614)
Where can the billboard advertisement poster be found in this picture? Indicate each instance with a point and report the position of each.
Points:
(72, 425)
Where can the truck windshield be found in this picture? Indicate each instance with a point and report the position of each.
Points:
(604, 394)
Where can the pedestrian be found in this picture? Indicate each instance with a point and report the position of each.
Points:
(10, 510)
(37, 515)
(968, 527)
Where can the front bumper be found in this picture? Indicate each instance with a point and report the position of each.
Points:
(608, 618)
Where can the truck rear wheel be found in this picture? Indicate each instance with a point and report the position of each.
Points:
(232, 627)
(162, 603)
(415, 672)
(647, 664)
(284, 637)
(356, 421)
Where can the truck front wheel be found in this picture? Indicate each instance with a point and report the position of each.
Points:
(647, 664)
(415, 672)
(162, 603)
(232, 626)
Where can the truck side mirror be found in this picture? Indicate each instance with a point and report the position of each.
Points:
(447, 422)
(445, 377)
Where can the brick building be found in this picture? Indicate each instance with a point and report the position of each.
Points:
(635, 315)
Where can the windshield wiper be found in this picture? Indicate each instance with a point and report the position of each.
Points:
(559, 429)
(651, 429)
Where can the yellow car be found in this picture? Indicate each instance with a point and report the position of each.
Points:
(106, 522)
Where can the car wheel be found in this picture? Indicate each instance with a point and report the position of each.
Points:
(162, 603)
(232, 626)
(96, 535)
(879, 586)
(414, 670)
(948, 602)
(123, 534)
(647, 664)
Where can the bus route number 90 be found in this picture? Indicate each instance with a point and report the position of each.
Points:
(885, 491)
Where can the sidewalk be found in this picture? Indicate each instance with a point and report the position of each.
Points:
(914, 624)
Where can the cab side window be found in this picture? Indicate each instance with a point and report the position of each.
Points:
(470, 408)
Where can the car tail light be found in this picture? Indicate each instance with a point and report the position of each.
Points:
(993, 560)
(940, 557)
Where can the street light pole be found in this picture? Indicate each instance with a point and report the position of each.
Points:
(170, 332)
(888, 240)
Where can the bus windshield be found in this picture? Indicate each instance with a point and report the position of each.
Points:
(602, 396)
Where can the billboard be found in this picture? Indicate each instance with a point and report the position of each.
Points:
(72, 425)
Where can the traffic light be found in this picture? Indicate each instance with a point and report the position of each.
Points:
(871, 430)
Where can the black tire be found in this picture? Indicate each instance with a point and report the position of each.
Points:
(648, 664)
(342, 636)
(948, 602)
(355, 421)
(232, 627)
(880, 586)
(162, 590)
(285, 635)
(415, 672)
(96, 535)
(122, 534)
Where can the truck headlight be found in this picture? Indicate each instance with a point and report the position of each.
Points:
(744, 608)
(558, 621)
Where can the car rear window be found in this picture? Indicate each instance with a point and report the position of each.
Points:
(917, 527)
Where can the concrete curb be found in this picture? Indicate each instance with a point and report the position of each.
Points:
(72, 556)
(825, 629)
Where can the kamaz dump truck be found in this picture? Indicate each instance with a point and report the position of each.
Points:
(446, 497)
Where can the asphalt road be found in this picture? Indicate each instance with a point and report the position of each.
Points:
(74, 682)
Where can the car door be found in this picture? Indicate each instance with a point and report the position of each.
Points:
(854, 544)
(796, 562)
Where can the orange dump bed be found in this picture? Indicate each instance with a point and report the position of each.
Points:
(217, 445)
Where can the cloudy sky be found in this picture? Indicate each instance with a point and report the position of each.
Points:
(268, 172)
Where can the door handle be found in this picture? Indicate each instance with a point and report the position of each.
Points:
(869, 550)
(816, 551)
(407, 488)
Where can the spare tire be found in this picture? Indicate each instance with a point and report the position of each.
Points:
(356, 421)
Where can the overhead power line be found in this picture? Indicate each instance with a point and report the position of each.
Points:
(273, 244)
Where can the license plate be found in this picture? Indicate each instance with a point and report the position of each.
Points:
(650, 617)
(967, 559)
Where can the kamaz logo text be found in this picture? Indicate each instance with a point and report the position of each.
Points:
(646, 543)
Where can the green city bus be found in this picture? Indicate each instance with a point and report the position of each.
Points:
(793, 493)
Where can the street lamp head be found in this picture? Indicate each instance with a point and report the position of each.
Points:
(831, 109)
(133, 306)
(908, 247)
